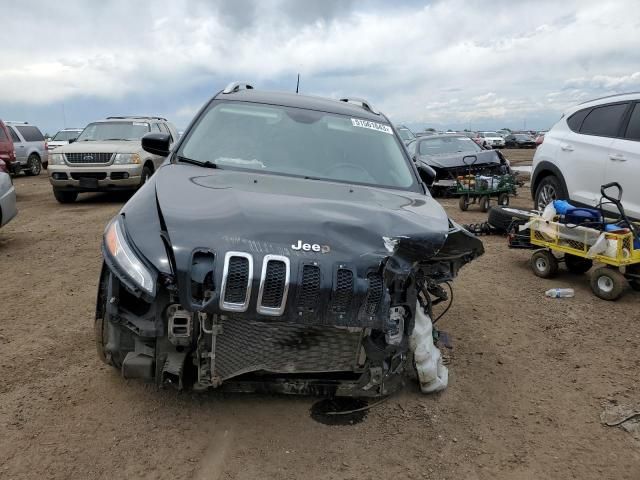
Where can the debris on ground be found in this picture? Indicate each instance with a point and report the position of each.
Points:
(627, 417)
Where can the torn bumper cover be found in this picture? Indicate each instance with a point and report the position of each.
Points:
(322, 304)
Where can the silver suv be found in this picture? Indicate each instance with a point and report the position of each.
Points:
(106, 156)
(30, 147)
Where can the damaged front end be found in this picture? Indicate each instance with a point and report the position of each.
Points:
(250, 314)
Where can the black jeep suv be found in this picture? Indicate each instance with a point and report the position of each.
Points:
(287, 244)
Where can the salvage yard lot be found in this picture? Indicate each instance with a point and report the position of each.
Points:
(529, 377)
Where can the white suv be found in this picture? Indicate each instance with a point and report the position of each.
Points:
(594, 143)
(490, 140)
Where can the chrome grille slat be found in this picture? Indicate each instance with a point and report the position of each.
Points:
(274, 285)
(88, 158)
(237, 276)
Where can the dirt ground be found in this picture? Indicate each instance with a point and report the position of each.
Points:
(529, 377)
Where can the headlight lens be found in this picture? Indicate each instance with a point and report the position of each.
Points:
(56, 159)
(116, 245)
(123, 158)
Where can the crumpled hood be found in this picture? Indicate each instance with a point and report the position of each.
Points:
(461, 159)
(225, 210)
(119, 146)
(200, 215)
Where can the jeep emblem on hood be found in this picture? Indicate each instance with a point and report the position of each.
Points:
(311, 247)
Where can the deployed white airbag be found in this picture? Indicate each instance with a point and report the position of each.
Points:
(433, 376)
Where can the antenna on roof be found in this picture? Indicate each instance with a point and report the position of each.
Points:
(298, 84)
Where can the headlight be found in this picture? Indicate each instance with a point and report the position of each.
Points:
(122, 158)
(56, 159)
(121, 253)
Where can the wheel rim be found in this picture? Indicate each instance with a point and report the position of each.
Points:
(546, 196)
(541, 264)
(605, 284)
(34, 166)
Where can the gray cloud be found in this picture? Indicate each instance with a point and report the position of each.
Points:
(440, 63)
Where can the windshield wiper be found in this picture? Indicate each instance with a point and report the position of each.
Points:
(206, 163)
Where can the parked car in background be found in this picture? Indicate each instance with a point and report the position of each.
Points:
(539, 138)
(63, 137)
(490, 140)
(425, 133)
(30, 147)
(8, 208)
(594, 143)
(107, 156)
(405, 134)
(7, 150)
(519, 140)
(452, 155)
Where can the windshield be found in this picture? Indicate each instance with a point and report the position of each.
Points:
(489, 134)
(65, 135)
(522, 137)
(101, 131)
(293, 141)
(447, 145)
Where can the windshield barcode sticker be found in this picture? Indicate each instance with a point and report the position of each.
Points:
(371, 125)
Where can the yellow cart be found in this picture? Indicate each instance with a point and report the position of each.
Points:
(619, 253)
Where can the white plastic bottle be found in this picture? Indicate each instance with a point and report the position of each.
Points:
(560, 293)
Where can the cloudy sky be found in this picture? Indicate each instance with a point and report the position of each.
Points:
(459, 64)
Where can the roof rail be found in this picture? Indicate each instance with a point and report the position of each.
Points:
(363, 103)
(235, 87)
(124, 117)
(15, 122)
(608, 96)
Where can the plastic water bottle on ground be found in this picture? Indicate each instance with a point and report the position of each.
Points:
(560, 293)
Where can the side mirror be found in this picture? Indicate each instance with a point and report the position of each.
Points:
(71, 140)
(157, 143)
(427, 174)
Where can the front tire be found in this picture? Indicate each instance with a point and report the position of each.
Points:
(65, 196)
(549, 189)
(34, 166)
(544, 264)
(463, 203)
(145, 176)
(484, 204)
(607, 283)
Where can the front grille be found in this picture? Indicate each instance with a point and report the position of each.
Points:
(88, 157)
(343, 292)
(236, 286)
(96, 175)
(374, 294)
(283, 348)
(309, 289)
(274, 285)
(236, 290)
